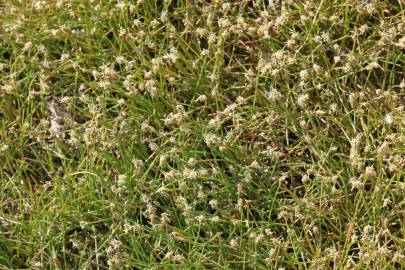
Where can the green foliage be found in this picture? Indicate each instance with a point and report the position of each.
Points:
(202, 134)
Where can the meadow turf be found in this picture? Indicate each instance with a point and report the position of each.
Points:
(193, 134)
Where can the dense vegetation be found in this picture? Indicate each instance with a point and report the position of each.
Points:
(200, 134)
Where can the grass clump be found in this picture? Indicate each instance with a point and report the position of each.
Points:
(202, 134)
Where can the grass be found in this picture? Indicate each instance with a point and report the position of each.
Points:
(202, 134)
